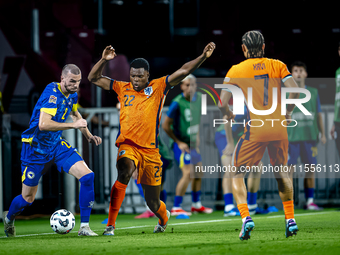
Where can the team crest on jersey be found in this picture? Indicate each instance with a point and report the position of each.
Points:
(148, 91)
(52, 99)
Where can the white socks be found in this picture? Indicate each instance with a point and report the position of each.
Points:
(83, 224)
(229, 207)
(289, 220)
(197, 205)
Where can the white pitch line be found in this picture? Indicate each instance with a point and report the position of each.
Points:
(299, 214)
(180, 223)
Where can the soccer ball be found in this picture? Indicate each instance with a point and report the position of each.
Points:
(62, 221)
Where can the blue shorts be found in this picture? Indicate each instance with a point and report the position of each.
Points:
(307, 150)
(186, 158)
(35, 164)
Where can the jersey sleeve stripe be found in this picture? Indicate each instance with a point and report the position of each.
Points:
(286, 78)
(74, 107)
(166, 81)
(51, 111)
(111, 83)
(167, 87)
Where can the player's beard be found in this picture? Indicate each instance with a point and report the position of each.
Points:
(70, 90)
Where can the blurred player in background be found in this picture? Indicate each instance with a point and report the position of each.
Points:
(43, 145)
(141, 107)
(335, 131)
(259, 73)
(303, 138)
(182, 126)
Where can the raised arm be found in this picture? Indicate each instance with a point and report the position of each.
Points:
(96, 74)
(191, 66)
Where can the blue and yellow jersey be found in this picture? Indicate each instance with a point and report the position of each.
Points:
(54, 102)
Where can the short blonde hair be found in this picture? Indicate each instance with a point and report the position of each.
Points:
(190, 76)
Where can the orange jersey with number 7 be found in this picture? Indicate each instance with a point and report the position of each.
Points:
(140, 112)
(262, 75)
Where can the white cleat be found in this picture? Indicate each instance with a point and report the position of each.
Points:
(86, 231)
(160, 228)
(109, 231)
(9, 228)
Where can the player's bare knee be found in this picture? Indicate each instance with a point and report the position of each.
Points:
(29, 198)
(124, 176)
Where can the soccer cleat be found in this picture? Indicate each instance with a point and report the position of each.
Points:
(109, 231)
(159, 228)
(313, 207)
(175, 212)
(86, 231)
(232, 212)
(291, 228)
(247, 226)
(202, 209)
(9, 228)
(145, 215)
(271, 209)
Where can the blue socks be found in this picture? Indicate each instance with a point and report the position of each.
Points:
(86, 196)
(251, 197)
(17, 206)
(163, 196)
(228, 199)
(196, 196)
(309, 195)
(178, 201)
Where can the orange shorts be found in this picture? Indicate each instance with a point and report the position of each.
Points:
(147, 161)
(250, 153)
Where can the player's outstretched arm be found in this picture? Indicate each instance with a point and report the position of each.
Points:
(191, 66)
(96, 74)
(76, 116)
(47, 124)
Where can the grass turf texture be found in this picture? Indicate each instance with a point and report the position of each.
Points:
(201, 234)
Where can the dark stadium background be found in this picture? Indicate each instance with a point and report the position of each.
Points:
(68, 33)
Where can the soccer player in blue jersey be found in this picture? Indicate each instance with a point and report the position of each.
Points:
(42, 144)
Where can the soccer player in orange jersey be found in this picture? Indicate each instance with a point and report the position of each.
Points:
(141, 108)
(262, 75)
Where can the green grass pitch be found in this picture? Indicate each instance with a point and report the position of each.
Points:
(201, 234)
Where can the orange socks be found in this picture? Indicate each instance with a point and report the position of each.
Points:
(288, 208)
(244, 211)
(116, 200)
(161, 214)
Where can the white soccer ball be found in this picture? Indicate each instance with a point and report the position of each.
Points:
(62, 221)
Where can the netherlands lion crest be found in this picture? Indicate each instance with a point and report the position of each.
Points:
(148, 91)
